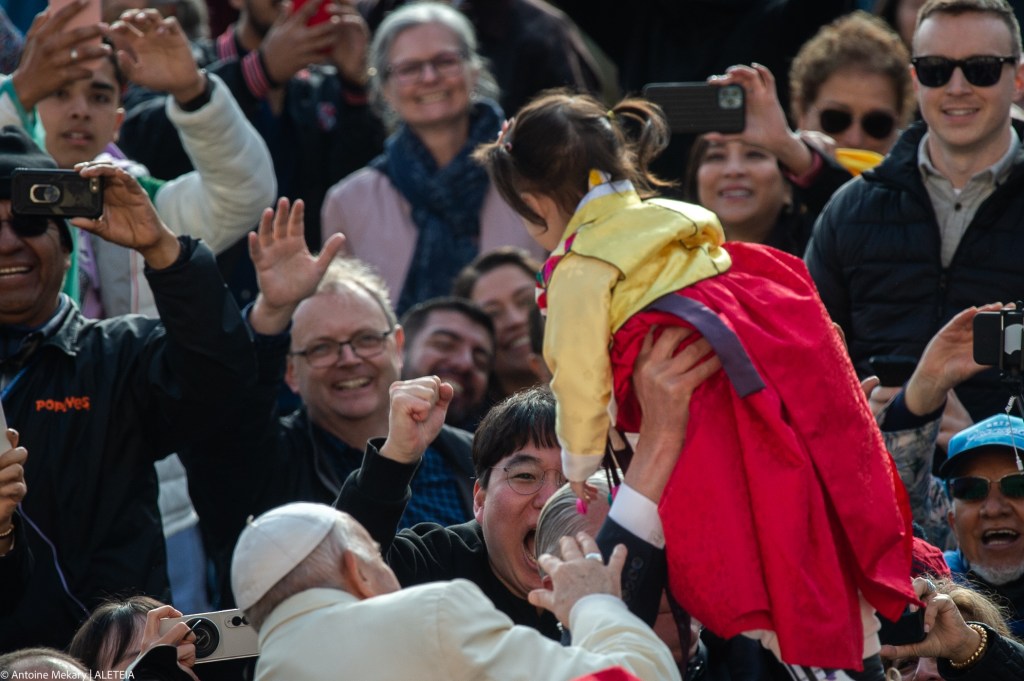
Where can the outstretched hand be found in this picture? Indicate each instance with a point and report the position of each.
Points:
(287, 273)
(418, 408)
(580, 572)
(766, 126)
(947, 361)
(54, 58)
(129, 218)
(154, 52)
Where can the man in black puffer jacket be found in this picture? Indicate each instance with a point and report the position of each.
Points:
(939, 225)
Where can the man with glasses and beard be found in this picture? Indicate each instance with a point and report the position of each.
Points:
(939, 225)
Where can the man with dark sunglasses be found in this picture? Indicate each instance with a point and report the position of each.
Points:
(938, 226)
(976, 502)
(984, 478)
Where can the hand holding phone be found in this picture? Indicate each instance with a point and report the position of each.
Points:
(88, 15)
(59, 50)
(55, 193)
(320, 16)
(698, 108)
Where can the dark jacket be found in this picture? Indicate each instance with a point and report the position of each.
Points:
(97, 403)
(1002, 661)
(376, 495)
(875, 256)
(263, 461)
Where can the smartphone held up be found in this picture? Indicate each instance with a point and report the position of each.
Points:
(55, 193)
(697, 108)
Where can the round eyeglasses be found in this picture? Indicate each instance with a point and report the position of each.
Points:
(445, 65)
(325, 353)
(528, 478)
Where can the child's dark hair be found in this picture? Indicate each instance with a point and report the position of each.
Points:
(558, 138)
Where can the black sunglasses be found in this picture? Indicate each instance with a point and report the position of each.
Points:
(877, 124)
(976, 488)
(26, 226)
(980, 71)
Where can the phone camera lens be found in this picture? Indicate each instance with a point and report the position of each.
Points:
(44, 193)
(207, 636)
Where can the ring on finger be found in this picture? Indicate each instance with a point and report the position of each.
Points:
(74, 55)
(594, 556)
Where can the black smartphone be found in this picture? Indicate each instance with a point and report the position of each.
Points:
(56, 193)
(997, 338)
(909, 628)
(697, 108)
(892, 370)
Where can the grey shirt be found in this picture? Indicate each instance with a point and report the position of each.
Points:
(955, 208)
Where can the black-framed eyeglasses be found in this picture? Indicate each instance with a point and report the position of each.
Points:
(444, 64)
(26, 226)
(980, 70)
(528, 478)
(877, 124)
(976, 488)
(325, 353)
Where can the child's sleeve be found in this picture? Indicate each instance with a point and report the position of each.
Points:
(576, 342)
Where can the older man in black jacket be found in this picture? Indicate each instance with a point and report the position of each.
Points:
(97, 402)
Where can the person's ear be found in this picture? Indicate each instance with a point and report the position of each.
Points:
(290, 378)
(118, 120)
(479, 497)
(533, 202)
(399, 334)
(355, 577)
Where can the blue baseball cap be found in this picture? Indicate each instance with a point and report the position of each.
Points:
(995, 431)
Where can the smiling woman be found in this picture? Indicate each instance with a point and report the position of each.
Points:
(424, 209)
(503, 283)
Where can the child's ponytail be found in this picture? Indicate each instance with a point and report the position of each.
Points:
(554, 142)
(646, 134)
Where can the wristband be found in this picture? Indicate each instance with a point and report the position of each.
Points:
(200, 100)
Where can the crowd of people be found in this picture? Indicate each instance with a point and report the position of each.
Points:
(408, 330)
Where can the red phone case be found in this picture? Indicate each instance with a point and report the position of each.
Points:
(321, 14)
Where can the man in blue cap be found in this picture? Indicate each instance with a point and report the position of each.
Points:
(984, 478)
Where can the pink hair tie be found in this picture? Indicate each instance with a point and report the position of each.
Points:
(581, 506)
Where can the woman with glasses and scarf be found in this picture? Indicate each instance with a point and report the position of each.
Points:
(424, 209)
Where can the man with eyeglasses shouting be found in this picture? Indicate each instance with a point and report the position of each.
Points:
(517, 464)
(939, 225)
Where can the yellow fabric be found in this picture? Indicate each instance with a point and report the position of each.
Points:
(626, 254)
